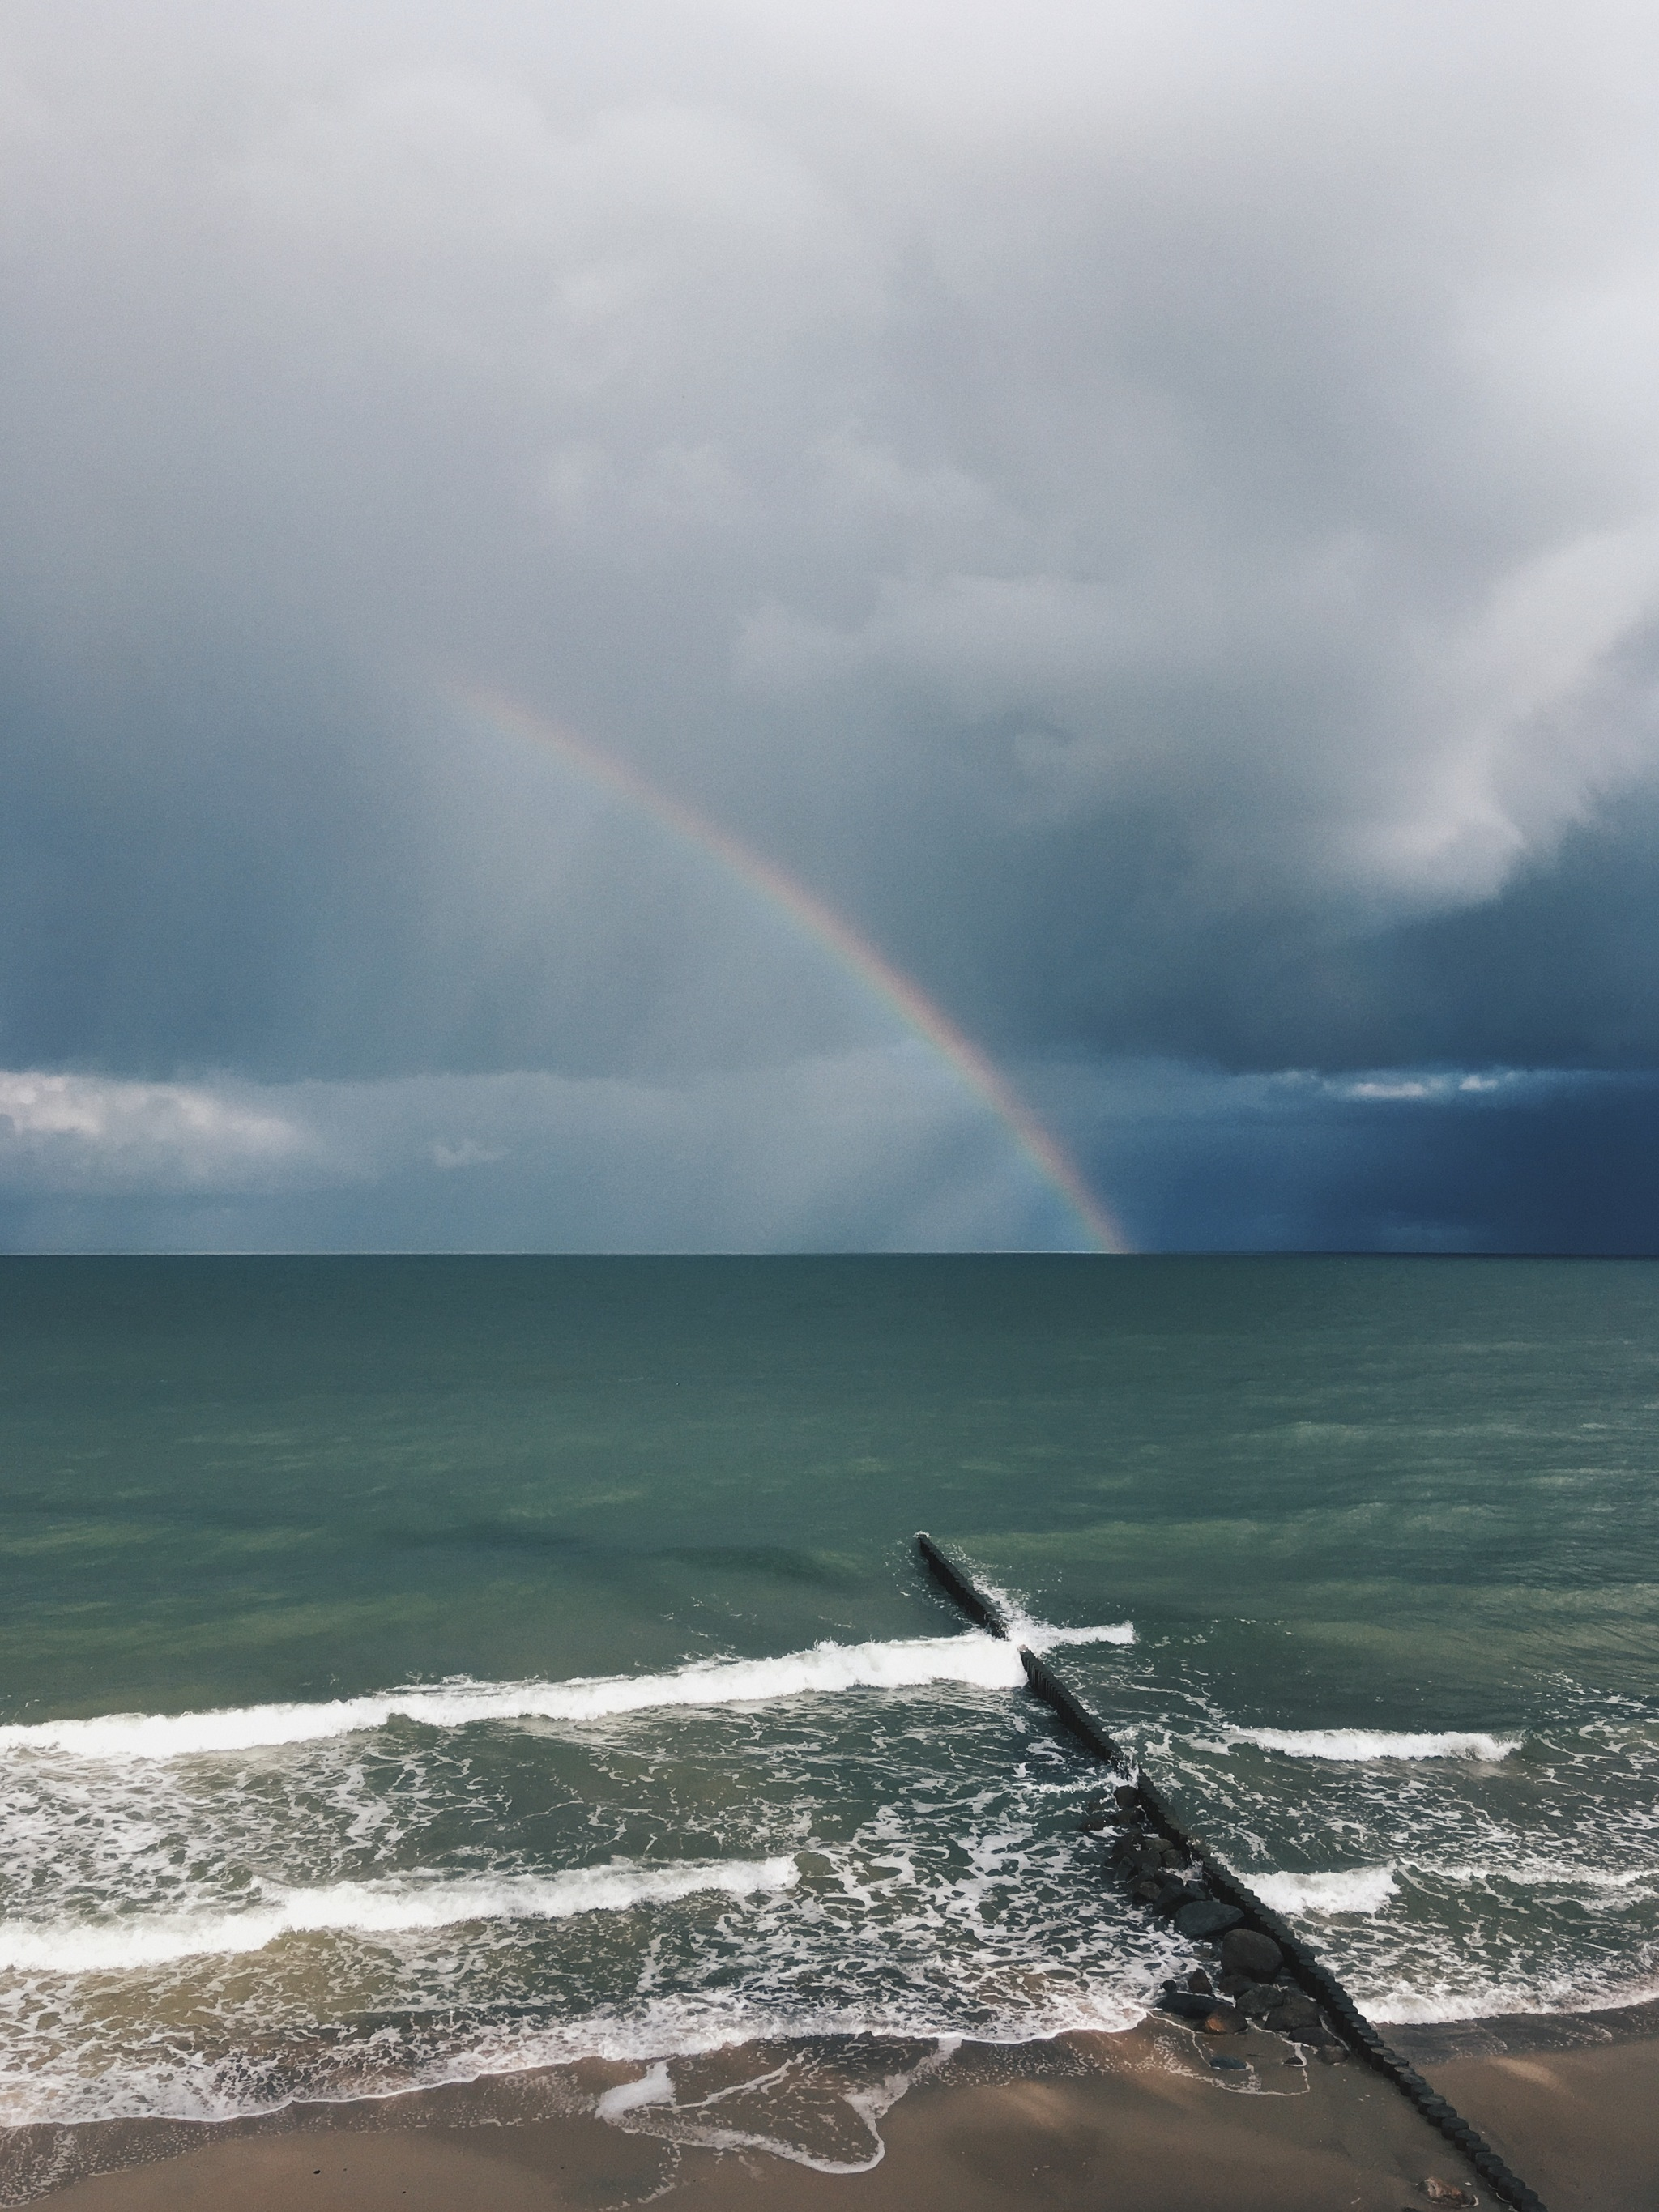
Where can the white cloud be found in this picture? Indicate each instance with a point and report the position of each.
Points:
(87, 1134)
(468, 1153)
(1402, 1087)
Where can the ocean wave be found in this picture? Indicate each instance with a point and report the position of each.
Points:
(1367, 1889)
(1401, 2004)
(363, 1908)
(1043, 1636)
(173, 2080)
(1358, 1745)
(1347, 1889)
(985, 1662)
(1022, 1627)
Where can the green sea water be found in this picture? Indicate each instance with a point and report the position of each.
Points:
(409, 1666)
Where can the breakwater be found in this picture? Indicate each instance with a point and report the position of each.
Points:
(1213, 1902)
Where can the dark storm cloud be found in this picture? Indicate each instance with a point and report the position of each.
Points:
(1154, 516)
(1423, 1160)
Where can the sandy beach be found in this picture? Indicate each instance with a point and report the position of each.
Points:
(1136, 2122)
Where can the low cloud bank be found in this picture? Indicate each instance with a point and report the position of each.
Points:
(881, 1151)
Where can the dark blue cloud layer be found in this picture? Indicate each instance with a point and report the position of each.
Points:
(1565, 1164)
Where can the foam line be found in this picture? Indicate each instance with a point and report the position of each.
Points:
(650, 2107)
(367, 1908)
(906, 1663)
(1363, 1744)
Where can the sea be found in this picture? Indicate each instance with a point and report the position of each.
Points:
(414, 1670)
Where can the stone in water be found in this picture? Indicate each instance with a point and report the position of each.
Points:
(1197, 1922)
(1246, 1952)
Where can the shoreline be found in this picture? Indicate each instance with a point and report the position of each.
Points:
(1166, 2116)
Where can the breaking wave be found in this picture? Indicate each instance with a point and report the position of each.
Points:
(369, 1908)
(1351, 1889)
(1361, 1744)
(984, 1661)
(1025, 1628)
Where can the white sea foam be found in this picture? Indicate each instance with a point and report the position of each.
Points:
(986, 1662)
(654, 2087)
(1539, 1874)
(1361, 1744)
(1404, 2004)
(369, 1908)
(651, 2107)
(1040, 1636)
(1347, 1889)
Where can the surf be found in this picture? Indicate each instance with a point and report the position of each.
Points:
(371, 1908)
(1357, 1745)
(827, 1668)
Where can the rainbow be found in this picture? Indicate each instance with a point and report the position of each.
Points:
(824, 928)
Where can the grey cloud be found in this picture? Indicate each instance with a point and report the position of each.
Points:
(1454, 1161)
(1153, 515)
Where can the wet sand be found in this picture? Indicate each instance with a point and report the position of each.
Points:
(1141, 2120)
(1582, 2127)
(1570, 2100)
(1144, 2122)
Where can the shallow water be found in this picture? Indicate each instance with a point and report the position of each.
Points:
(415, 1668)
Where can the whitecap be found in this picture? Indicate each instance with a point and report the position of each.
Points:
(1344, 1889)
(1362, 1744)
(1025, 1628)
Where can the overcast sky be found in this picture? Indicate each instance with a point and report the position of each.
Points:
(1150, 515)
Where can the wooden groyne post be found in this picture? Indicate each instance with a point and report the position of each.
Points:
(1312, 1976)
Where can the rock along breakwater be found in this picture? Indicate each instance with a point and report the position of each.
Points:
(1277, 1980)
